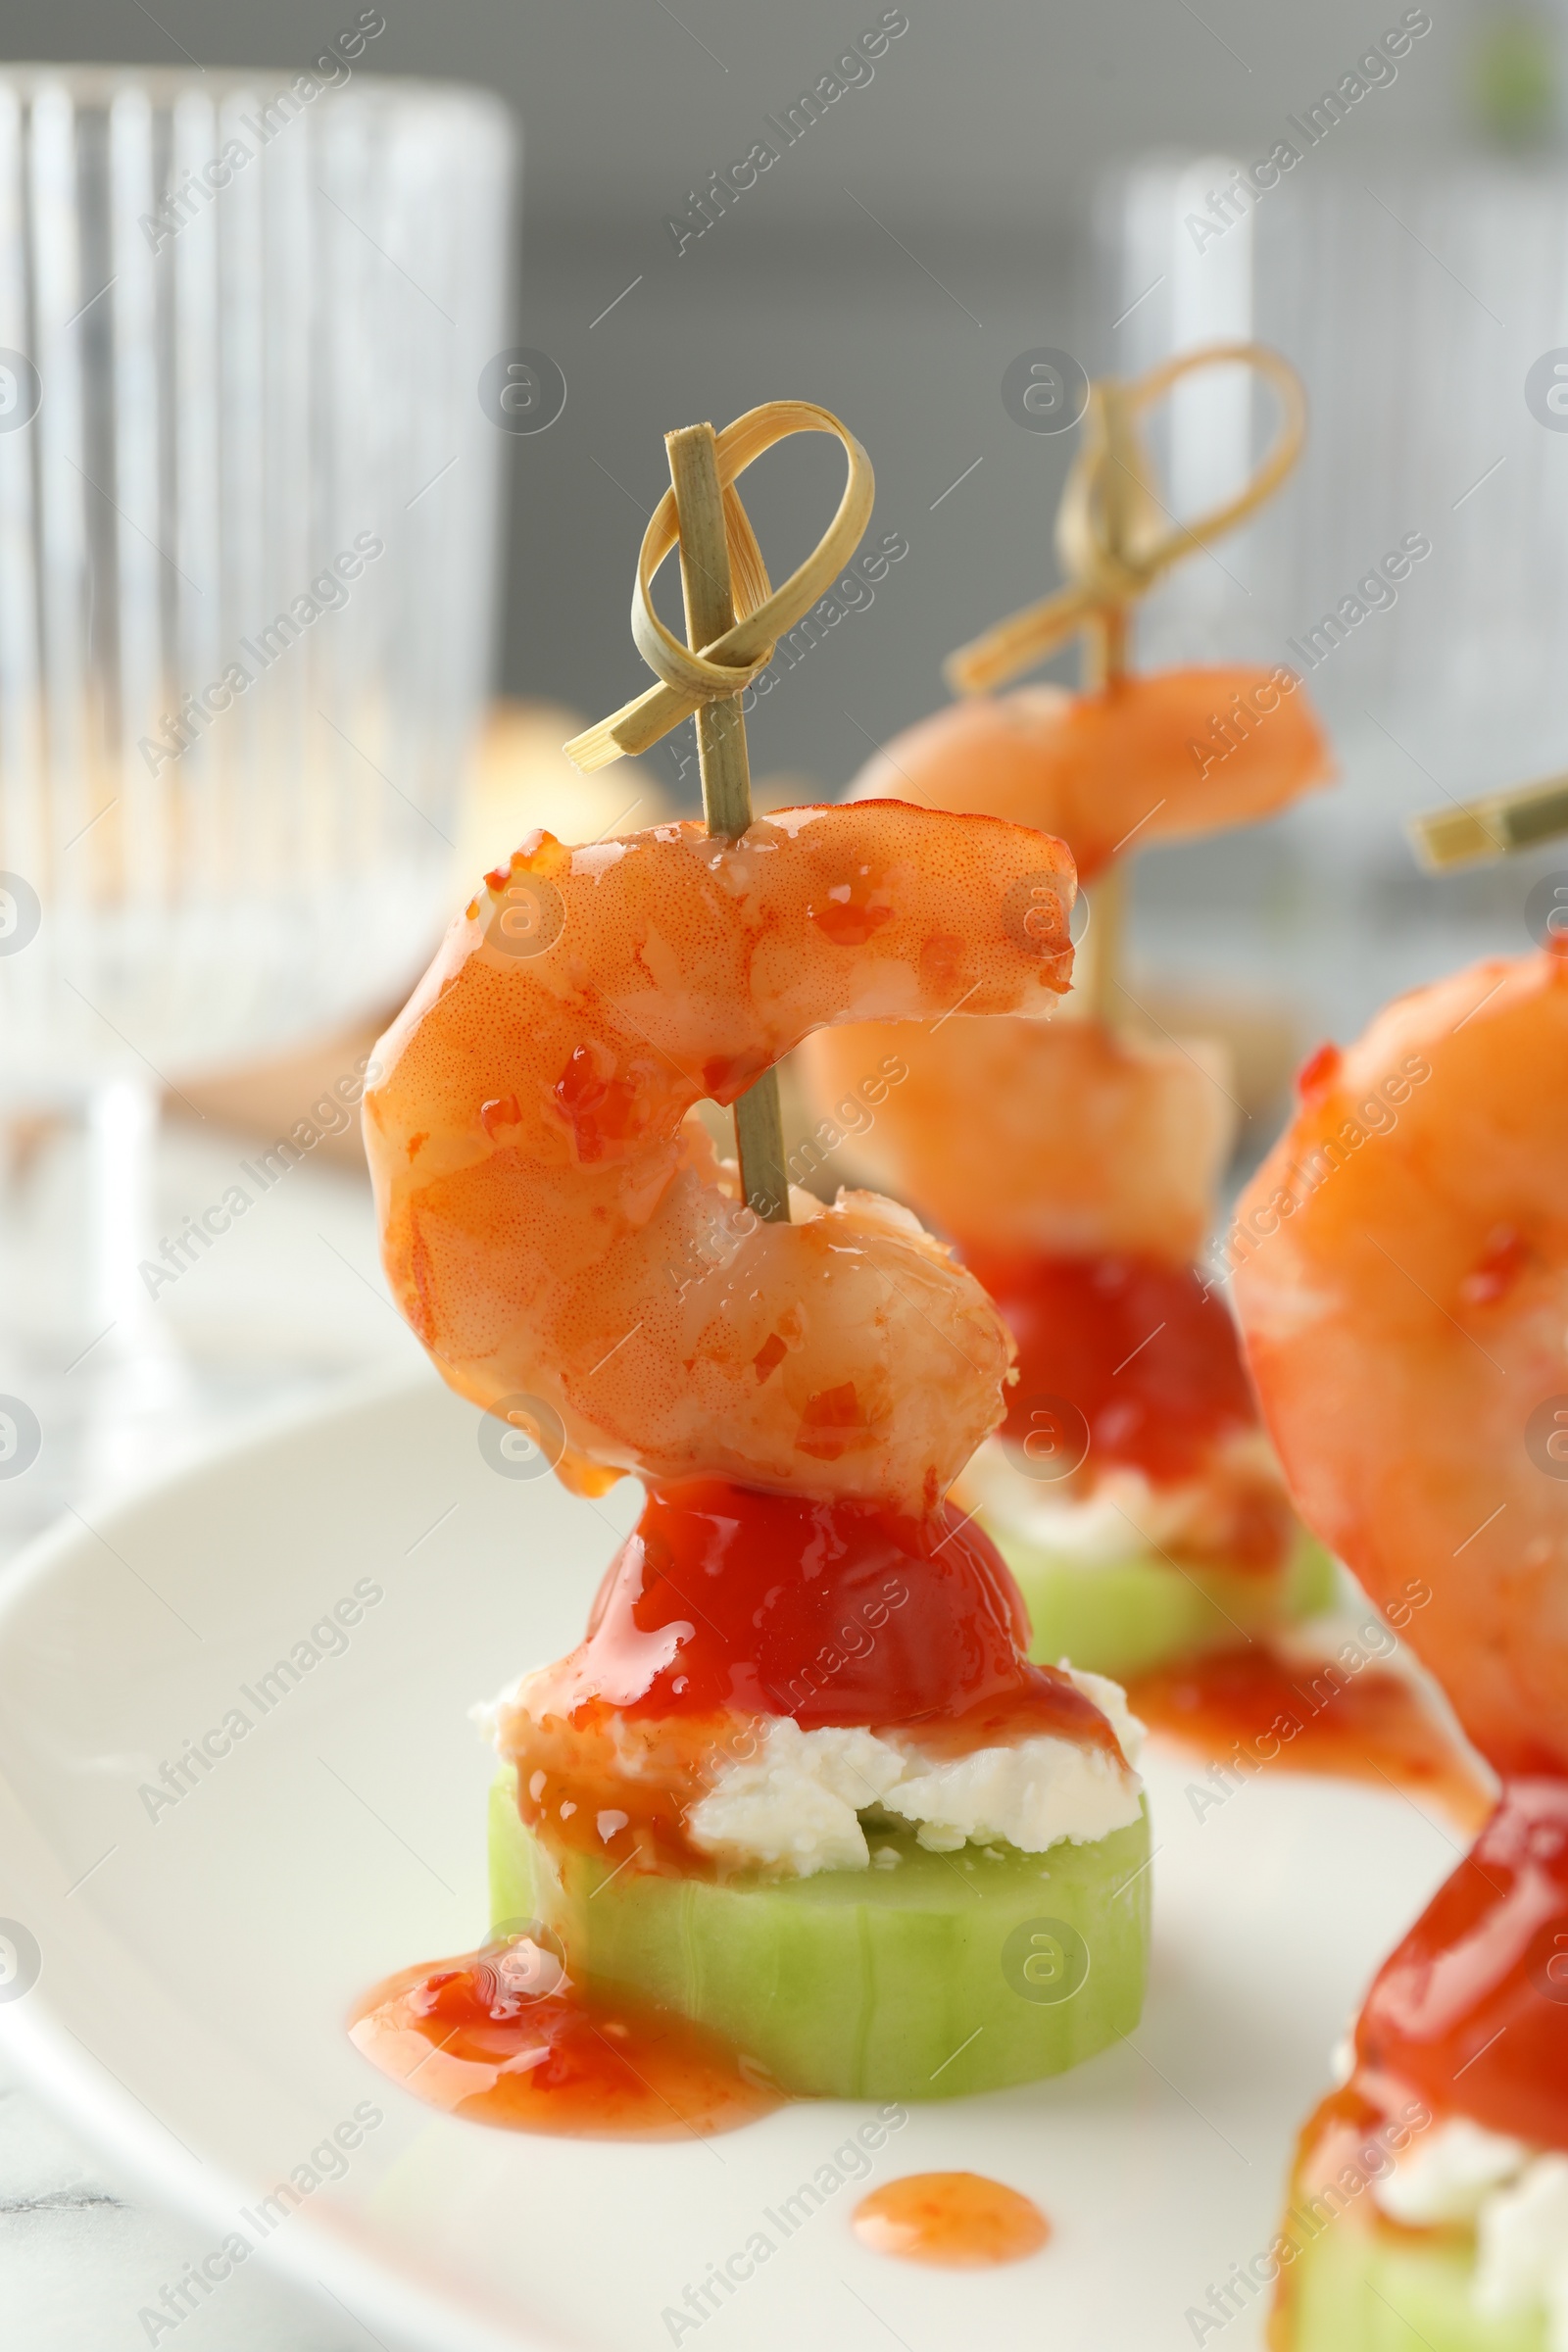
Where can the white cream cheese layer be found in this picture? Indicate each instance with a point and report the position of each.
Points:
(1124, 1517)
(1516, 2199)
(790, 1802)
(796, 1805)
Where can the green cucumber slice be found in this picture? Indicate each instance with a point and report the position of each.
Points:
(942, 1974)
(1355, 2289)
(1129, 1617)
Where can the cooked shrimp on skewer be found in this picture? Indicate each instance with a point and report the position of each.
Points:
(803, 1645)
(1071, 1140)
(1404, 1288)
(550, 1212)
(1157, 757)
(1403, 1279)
(1077, 1169)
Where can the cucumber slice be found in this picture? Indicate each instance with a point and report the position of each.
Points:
(942, 1974)
(1355, 2289)
(1130, 1616)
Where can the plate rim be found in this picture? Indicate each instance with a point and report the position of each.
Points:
(79, 2088)
(374, 2282)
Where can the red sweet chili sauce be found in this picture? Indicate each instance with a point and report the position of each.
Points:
(1259, 1708)
(834, 1612)
(727, 1607)
(1149, 1357)
(1472, 2009)
(957, 2220)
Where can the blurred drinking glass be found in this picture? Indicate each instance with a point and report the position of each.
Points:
(247, 549)
(1414, 570)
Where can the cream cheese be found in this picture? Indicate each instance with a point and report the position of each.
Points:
(796, 1807)
(1522, 2248)
(1125, 1516)
(796, 1802)
(1447, 2175)
(1515, 2198)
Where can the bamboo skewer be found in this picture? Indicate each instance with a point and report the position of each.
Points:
(686, 680)
(1497, 825)
(709, 600)
(1101, 663)
(1115, 540)
(734, 619)
(704, 577)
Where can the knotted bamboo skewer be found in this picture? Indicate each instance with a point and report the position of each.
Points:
(1115, 541)
(726, 769)
(734, 618)
(1114, 536)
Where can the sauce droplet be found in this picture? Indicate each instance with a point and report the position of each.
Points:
(959, 2220)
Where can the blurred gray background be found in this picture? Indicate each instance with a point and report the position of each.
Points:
(1012, 177)
(890, 266)
(956, 209)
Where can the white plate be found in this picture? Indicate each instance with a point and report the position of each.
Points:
(197, 1967)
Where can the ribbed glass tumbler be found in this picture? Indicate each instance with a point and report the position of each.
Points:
(248, 505)
(247, 543)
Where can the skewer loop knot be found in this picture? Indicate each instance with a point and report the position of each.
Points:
(1113, 537)
(690, 677)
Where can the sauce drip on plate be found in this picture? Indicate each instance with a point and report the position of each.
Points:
(961, 2221)
(502, 2036)
(1259, 1709)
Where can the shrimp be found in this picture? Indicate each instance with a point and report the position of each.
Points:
(1076, 1169)
(1163, 756)
(555, 1226)
(1070, 1141)
(1403, 1291)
